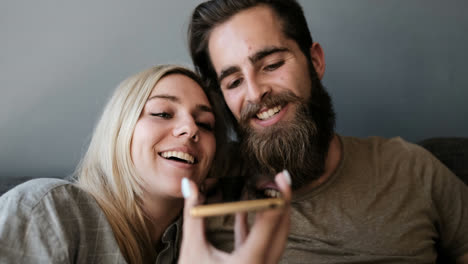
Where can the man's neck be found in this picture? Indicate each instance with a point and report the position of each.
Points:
(332, 161)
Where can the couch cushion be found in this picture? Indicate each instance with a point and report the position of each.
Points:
(452, 151)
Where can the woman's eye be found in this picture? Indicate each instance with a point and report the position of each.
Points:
(206, 126)
(234, 83)
(274, 66)
(162, 115)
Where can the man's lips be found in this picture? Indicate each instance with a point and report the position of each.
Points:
(267, 113)
(270, 116)
(270, 107)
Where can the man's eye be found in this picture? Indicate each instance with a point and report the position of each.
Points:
(274, 66)
(162, 115)
(206, 126)
(234, 84)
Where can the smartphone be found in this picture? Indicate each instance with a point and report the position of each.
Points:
(235, 207)
(225, 198)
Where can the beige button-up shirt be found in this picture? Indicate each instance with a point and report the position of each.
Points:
(54, 221)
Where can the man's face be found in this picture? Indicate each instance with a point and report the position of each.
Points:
(254, 60)
(285, 116)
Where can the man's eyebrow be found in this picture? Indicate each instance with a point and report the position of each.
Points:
(266, 52)
(253, 59)
(226, 72)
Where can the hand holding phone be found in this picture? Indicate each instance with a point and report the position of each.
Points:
(262, 242)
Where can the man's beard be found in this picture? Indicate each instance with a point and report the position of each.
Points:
(300, 145)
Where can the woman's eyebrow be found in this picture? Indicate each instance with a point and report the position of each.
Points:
(165, 96)
(204, 108)
(175, 99)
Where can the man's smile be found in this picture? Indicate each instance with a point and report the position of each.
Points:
(267, 113)
(270, 116)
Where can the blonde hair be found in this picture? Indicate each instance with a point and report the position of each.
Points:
(107, 171)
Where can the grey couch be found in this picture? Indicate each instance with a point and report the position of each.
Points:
(453, 152)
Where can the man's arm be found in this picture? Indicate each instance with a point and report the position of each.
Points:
(463, 259)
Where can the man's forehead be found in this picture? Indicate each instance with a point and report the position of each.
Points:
(243, 35)
(259, 17)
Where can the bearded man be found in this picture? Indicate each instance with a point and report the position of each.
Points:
(355, 200)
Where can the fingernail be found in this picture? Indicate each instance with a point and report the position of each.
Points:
(185, 188)
(287, 176)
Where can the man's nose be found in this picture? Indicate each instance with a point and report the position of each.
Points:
(187, 127)
(257, 90)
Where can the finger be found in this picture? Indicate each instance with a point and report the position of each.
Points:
(193, 227)
(241, 229)
(263, 232)
(194, 244)
(283, 181)
(279, 242)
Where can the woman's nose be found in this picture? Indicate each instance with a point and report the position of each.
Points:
(187, 128)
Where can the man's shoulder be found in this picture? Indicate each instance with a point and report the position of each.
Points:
(384, 147)
(375, 140)
(393, 157)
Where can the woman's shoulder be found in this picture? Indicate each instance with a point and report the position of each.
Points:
(45, 196)
(29, 194)
(52, 220)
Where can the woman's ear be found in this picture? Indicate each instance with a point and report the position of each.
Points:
(318, 59)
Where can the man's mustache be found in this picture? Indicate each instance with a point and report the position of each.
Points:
(271, 100)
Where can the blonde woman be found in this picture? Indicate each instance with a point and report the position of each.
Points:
(157, 130)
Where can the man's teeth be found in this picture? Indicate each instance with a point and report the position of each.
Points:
(269, 113)
(272, 193)
(180, 155)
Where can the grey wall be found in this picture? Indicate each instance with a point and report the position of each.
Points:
(393, 68)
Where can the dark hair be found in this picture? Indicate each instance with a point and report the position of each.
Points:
(210, 14)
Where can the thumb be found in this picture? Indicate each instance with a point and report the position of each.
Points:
(193, 238)
(193, 227)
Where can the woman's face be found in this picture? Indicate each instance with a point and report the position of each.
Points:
(174, 136)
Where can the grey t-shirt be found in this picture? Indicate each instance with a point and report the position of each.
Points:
(54, 221)
(388, 201)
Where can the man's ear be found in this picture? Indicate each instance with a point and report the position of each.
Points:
(318, 59)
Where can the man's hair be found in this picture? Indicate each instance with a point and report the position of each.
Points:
(210, 14)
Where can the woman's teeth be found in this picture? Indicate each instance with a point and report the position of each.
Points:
(269, 113)
(179, 155)
(272, 193)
